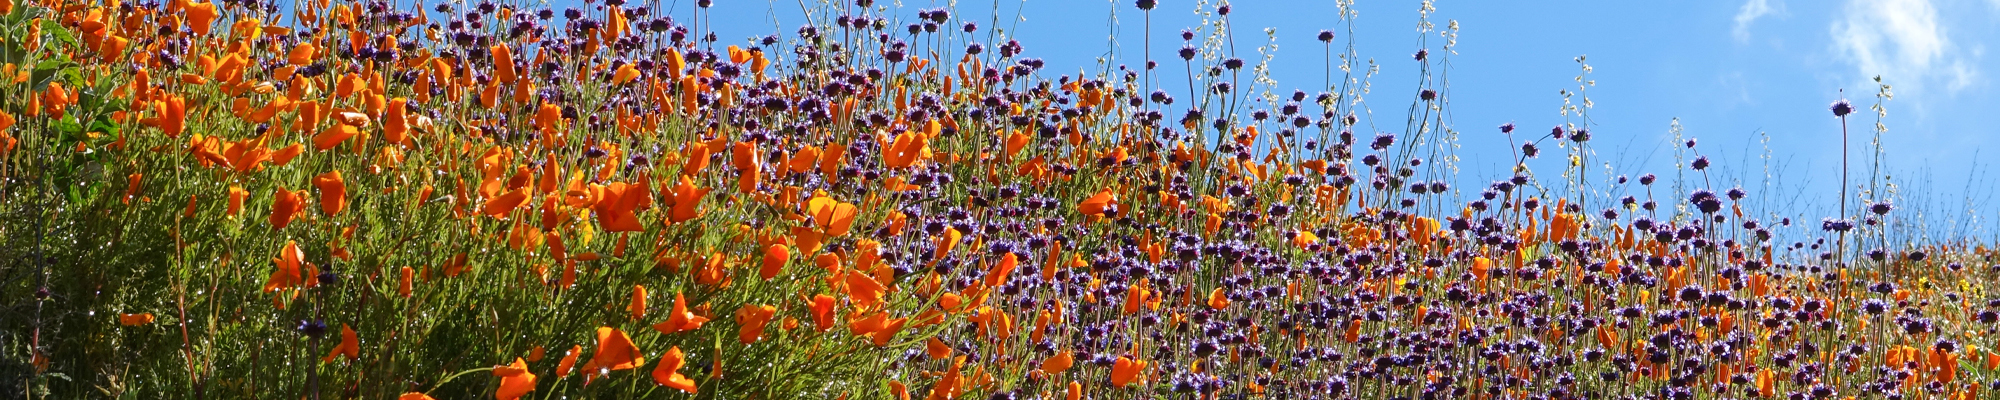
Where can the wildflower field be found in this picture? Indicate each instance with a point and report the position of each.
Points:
(453, 200)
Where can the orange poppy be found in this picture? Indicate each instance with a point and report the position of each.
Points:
(1097, 204)
(349, 345)
(1002, 271)
(403, 282)
(1126, 370)
(415, 396)
(668, 372)
(1058, 363)
(638, 307)
(680, 320)
(135, 319)
(864, 291)
(752, 320)
(822, 312)
(687, 201)
(614, 352)
(288, 274)
(515, 380)
(568, 362)
(774, 261)
(332, 192)
(832, 218)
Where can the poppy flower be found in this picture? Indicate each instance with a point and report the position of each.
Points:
(822, 312)
(201, 17)
(1097, 204)
(332, 192)
(878, 326)
(863, 290)
(638, 307)
(395, 122)
(936, 349)
(403, 282)
(415, 396)
(1125, 370)
(752, 320)
(135, 319)
(687, 201)
(568, 361)
(515, 380)
(1218, 299)
(680, 320)
(625, 74)
(832, 218)
(668, 372)
(505, 204)
(1002, 271)
(1058, 363)
(288, 274)
(774, 261)
(349, 346)
(614, 352)
(333, 136)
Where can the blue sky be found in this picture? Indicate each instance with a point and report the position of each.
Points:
(1731, 71)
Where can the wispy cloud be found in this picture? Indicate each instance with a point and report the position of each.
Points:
(1751, 11)
(1903, 41)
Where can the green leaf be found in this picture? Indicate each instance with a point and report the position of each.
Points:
(46, 72)
(56, 31)
(12, 52)
(104, 125)
(23, 13)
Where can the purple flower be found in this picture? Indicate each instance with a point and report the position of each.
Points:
(1842, 108)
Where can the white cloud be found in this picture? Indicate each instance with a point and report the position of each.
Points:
(1902, 41)
(1751, 11)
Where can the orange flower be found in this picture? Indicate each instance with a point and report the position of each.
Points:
(333, 135)
(403, 282)
(687, 201)
(1058, 363)
(349, 346)
(1002, 271)
(288, 274)
(822, 312)
(499, 207)
(285, 155)
(332, 192)
(1217, 299)
(515, 380)
(625, 74)
(415, 396)
(1125, 371)
(832, 218)
(752, 320)
(135, 319)
(864, 291)
(201, 17)
(614, 352)
(1096, 204)
(680, 320)
(668, 373)
(878, 326)
(503, 63)
(132, 186)
(568, 361)
(638, 306)
(936, 349)
(395, 122)
(774, 261)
